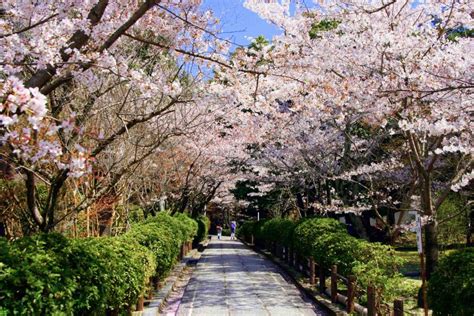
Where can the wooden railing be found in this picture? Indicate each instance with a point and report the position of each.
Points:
(318, 274)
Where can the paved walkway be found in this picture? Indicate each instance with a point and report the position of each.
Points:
(231, 279)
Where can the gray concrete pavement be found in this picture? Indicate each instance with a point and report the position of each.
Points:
(231, 279)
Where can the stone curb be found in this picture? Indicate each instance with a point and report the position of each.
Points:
(317, 298)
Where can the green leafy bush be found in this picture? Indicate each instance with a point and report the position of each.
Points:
(181, 226)
(50, 274)
(451, 286)
(257, 230)
(128, 267)
(337, 248)
(203, 228)
(246, 229)
(188, 225)
(278, 230)
(136, 213)
(159, 239)
(308, 231)
(379, 265)
(163, 236)
(225, 231)
(35, 277)
(327, 241)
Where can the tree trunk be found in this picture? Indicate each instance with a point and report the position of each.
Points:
(470, 228)
(358, 226)
(30, 185)
(431, 247)
(328, 193)
(300, 203)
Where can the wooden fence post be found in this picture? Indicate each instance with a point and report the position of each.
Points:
(112, 312)
(371, 301)
(151, 282)
(156, 283)
(398, 308)
(251, 240)
(334, 284)
(181, 252)
(350, 294)
(312, 272)
(322, 279)
(141, 303)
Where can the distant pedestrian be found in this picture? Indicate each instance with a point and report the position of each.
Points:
(219, 231)
(233, 225)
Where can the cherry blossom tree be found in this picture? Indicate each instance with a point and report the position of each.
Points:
(356, 106)
(391, 68)
(92, 89)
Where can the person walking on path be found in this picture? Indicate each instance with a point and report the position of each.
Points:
(219, 231)
(233, 225)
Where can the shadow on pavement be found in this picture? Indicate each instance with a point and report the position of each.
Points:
(232, 279)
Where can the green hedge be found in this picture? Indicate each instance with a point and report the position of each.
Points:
(159, 239)
(279, 230)
(163, 235)
(327, 241)
(307, 232)
(203, 228)
(258, 231)
(246, 229)
(49, 274)
(451, 286)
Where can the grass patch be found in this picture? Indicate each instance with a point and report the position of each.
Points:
(412, 259)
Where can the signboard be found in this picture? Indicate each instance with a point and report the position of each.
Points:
(419, 239)
(162, 204)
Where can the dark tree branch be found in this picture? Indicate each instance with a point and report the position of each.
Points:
(29, 27)
(77, 41)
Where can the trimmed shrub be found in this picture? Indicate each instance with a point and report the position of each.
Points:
(308, 231)
(257, 229)
(163, 235)
(337, 248)
(379, 265)
(160, 240)
(451, 286)
(327, 241)
(50, 274)
(203, 229)
(246, 229)
(128, 268)
(188, 225)
(35, 277)
(181, 226)
(278, 230)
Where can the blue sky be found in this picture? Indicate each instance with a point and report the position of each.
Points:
(238, 23)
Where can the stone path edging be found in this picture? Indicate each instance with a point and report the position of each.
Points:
(313, 295)
(232, 279)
